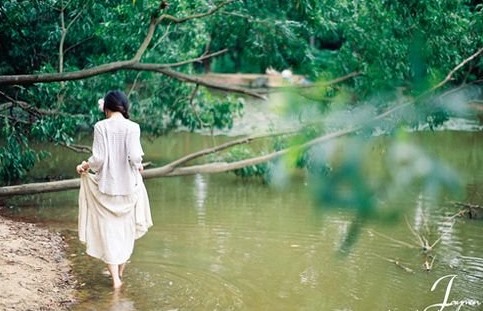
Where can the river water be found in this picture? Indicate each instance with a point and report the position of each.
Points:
(221, 243)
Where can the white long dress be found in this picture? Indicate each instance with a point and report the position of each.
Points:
(114, 207)
(108, 225)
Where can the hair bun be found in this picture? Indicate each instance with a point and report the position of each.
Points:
(117, 101)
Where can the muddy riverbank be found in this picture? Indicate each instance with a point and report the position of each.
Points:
(35, 273)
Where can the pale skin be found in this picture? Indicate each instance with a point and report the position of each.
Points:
(116, 274)
(116, 270)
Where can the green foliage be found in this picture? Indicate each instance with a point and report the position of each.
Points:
(297, 158)
(178, 105)
(408, 46)
(268, 33)
(339, 177)
(241, 152)
(16, 155)
(26, 35)
(404, 44)
(97, 33)
(217, 113)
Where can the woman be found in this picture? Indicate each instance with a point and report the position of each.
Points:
(113, 203)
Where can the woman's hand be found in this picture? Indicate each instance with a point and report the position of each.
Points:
(82, 168)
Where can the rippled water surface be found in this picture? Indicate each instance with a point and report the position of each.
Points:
(219, 243)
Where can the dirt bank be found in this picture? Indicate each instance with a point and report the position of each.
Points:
(35, 273)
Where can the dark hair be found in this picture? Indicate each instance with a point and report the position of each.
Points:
(117, 101)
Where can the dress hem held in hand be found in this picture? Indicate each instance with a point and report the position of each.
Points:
(109, 224)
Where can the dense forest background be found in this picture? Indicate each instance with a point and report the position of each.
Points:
(58, 57)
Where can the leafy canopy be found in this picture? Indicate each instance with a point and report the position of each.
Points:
(389, 45)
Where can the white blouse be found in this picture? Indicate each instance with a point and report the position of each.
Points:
(116, 155)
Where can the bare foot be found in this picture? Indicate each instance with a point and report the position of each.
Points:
(116, 283)
(116, 280)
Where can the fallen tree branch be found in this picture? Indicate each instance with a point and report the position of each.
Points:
(126, 65)
(78, 148)
(134, 62)
(467, 205)
(449, 76)
(32, 188)
(211, 168)
(26, 107)
(66, 76)
(394, 240)
(428, 266)
(244, 140)
(196, 80)
(474, 211)
(170, 171)
(418, 236)
(397, 263)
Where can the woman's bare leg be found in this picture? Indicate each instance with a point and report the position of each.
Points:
(114, 270)
(121, 269)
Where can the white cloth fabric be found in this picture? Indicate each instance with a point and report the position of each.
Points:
(116, 155)
(108, 225)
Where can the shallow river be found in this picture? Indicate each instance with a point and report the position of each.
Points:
(219, 243)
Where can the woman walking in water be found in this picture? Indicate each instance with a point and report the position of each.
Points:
(113, 203)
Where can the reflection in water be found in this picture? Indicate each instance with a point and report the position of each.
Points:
(420, 213)
(429, 224)
(200, 190)
(434, 232)
(310, 277)
(474, 268)
(120, 302)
